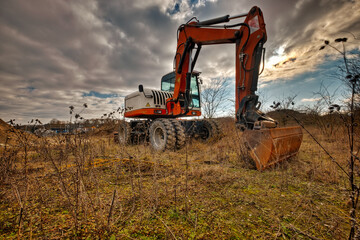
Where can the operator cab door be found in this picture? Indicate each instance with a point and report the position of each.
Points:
(168, 84)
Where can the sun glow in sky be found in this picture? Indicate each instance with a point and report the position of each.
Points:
(277, 58)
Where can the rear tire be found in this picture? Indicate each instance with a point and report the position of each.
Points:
(206, 131)
(124, 134)
(162, 135)
(216, 128)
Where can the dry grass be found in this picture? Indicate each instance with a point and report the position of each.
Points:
(88, 187)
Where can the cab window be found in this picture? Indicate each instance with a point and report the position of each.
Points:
(168, 82)
(195, 96)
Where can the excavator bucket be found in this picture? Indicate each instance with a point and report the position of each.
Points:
(273, 145)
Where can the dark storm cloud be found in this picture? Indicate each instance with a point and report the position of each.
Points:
(54, 53)
(142, 55)
(60, 49)
(299, 23)
(47, 41)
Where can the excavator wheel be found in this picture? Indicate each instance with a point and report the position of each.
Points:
(162, 135)
(124, 134)
(270, 146)
(207, 130)
(216, 128)
(179, 134)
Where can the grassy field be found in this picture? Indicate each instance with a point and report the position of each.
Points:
(89, 187)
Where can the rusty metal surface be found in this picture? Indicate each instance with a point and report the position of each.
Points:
(271, 146)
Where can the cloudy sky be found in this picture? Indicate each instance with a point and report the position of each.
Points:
(60, 53)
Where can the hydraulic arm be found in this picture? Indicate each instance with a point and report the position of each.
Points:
(248, 38)
(268, 144)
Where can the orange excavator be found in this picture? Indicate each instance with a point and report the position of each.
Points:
(180, 95)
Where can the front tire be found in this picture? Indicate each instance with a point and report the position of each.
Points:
(179, 133)
(162, 135)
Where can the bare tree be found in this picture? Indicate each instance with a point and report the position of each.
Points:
(214, 95)
(319, 113)
(326, 98)
(350, 75)
(288, 102)
(263, 99)
(54, 121)
(283, 107)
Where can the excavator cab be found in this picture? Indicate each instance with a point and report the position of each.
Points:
(168, 85)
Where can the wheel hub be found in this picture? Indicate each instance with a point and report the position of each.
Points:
(159, 136)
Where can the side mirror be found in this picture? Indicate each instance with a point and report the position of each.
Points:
(200, 80)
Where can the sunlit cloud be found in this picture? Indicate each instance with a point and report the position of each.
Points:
(310, 99)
